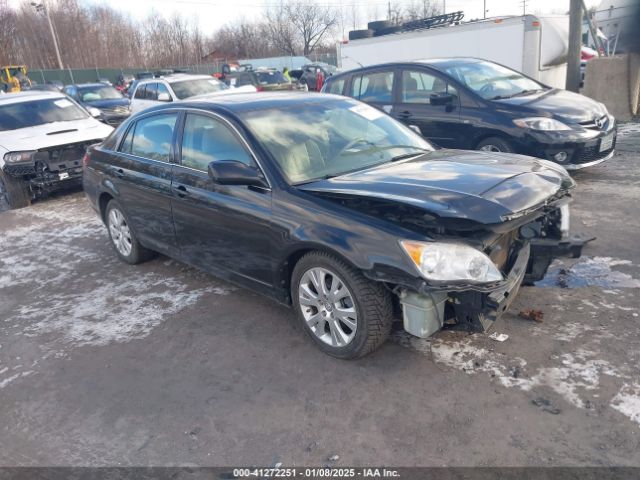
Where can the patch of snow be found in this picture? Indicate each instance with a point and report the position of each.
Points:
(627, 401)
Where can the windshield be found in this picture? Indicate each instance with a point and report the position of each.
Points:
(492, 81)
(201, 86)
(323, 140)
(99, 92)
(271, 78)
(29, 114)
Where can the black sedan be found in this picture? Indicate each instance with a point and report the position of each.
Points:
(343, 213)
(476, 104)
(102, 101)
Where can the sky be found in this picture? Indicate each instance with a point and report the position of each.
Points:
(212, 14)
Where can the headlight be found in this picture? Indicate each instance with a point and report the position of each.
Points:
(541, 123)
(19, 157)
(94, 112)
(451, 262)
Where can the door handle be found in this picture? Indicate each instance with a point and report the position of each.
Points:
(182, 191)
(405, 114)
(119, 173)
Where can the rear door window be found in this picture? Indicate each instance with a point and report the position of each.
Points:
(153, 137)
(140, 92)
(374, 87)
(151, 92)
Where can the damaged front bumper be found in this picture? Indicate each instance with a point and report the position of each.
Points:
(477, 308)
(478, 311)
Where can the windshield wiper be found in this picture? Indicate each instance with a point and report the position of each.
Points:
(518, 94)
(407, 155)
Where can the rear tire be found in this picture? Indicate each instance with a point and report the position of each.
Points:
(14, 192)
(123, 240)
(348, 315)
(495, 144)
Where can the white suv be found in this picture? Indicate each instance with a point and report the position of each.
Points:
(178, 87)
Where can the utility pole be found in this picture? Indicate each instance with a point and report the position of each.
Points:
(484, 11)
(575, 42)
(42, 7)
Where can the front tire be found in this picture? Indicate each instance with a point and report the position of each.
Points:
(345, 314)
(123, 240)
(14, 192)
(495, 144)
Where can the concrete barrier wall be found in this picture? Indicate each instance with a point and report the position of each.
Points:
(615, 81)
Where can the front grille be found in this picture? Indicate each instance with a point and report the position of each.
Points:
(591, 154)
(116, 111)
(603, 122)
(19, 170)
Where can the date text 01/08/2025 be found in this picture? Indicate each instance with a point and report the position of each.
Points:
(283, 472)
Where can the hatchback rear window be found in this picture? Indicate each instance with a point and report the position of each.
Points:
(271, 78)
(37, 112)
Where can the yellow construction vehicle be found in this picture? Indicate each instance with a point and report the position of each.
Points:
(13, 78)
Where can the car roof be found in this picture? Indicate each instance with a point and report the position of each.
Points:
(28, 95)
(176, 77)
(94, 84)
(242, 102)
(441, 62)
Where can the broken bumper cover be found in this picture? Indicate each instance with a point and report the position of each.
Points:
(544, 250)
(478, 311)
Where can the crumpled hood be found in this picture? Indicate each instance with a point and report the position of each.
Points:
(53, 134)
(565, 106)
(484, 187)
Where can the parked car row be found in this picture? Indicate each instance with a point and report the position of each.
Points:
(350, 210)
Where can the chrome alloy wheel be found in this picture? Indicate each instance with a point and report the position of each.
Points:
(120, 233)
(490, 148)
(328, 307)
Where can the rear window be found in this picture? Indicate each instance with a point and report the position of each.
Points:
(267, 78)
(37, 112)
(201, 86)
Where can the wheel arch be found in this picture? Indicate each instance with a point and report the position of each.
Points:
(288, 264)
(103, 201)
(491, 134)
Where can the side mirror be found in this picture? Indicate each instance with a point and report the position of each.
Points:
(94, 112)
(164, 97)
(441, 98)
(233, 172)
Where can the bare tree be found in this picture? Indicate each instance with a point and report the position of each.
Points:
(313, 23)
(417, 9)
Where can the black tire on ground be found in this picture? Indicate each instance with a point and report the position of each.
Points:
(14, 192)
(138, 253)
(360, 34)
(387, 31)
(372, 303)
(495, 144)
(379, 24)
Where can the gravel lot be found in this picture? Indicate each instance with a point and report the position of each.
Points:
(102, 363)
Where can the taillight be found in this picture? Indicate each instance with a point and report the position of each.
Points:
(85, 159)
(259, 88)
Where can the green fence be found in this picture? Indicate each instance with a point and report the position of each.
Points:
(87, 75)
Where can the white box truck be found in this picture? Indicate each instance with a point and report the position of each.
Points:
(534, 45)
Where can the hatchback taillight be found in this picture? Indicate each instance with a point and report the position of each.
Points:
(85, 159)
